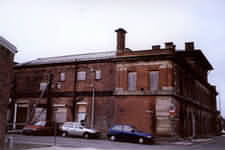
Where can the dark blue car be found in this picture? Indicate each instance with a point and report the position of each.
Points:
(128, 133)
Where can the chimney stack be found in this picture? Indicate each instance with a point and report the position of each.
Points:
(121, 38)
(189, 46)
(170, 45)
(155, 47)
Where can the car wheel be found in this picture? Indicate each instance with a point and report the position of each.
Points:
(141, 140)
(112, 138)
(86, 135)
(64, 134)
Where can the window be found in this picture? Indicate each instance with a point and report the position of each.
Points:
(81, 75)
(127, 128)
(97, 74)
(40, 123)
(68, 125)
(154, 80)
(62, 76)
(43, 86)
(40, 114)
(132, 81)
(117, 128)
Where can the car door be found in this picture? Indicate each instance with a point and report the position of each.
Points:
(70, 129)
(129, 133)
(74, 129)
(116, 131)
(79, 130)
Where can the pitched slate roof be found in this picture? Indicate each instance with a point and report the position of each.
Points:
(70, 58)
(8, 45)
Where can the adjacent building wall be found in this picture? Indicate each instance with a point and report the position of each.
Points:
(6, 73)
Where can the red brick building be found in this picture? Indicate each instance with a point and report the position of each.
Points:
(164, 91)
(7, 51)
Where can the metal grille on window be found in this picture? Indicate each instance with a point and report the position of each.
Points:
(132, 81)
(154, 80)
(81, 75)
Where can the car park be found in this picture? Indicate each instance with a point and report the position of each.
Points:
(128, 133)
(39, 128)
(77, 129)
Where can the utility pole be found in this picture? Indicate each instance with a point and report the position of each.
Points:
(49, 98)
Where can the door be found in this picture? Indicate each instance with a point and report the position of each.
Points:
(77, 130)
(129, 133)
(81, 114)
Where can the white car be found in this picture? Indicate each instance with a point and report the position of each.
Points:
(76, 129)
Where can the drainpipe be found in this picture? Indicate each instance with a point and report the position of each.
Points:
(74, 89)
(93, 107)
(14, 118)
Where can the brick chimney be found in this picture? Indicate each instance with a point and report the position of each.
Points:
(189, 46)
(121, 37)
(155, 47)
(170, 45)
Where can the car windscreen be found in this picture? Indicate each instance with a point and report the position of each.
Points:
(40, 123)
(117, 128)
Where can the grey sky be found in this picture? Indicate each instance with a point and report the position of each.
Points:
(44, 28)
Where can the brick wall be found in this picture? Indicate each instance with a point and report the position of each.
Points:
(29, 79)
(138, 111)
(6, 62)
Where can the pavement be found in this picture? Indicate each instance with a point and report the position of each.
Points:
(161, 141)
(15, 131)
(63, 148)
(184, 143)
(194, 141)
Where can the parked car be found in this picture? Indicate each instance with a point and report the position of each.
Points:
(128, 133)
(39, 128)
(76, 129)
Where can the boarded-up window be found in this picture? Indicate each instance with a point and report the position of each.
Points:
(60, 114)
(154, 80)
(97, 74)
(132, 81)
(62, 76)
(81, 75)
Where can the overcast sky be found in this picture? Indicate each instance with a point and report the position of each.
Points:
(44, 28)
